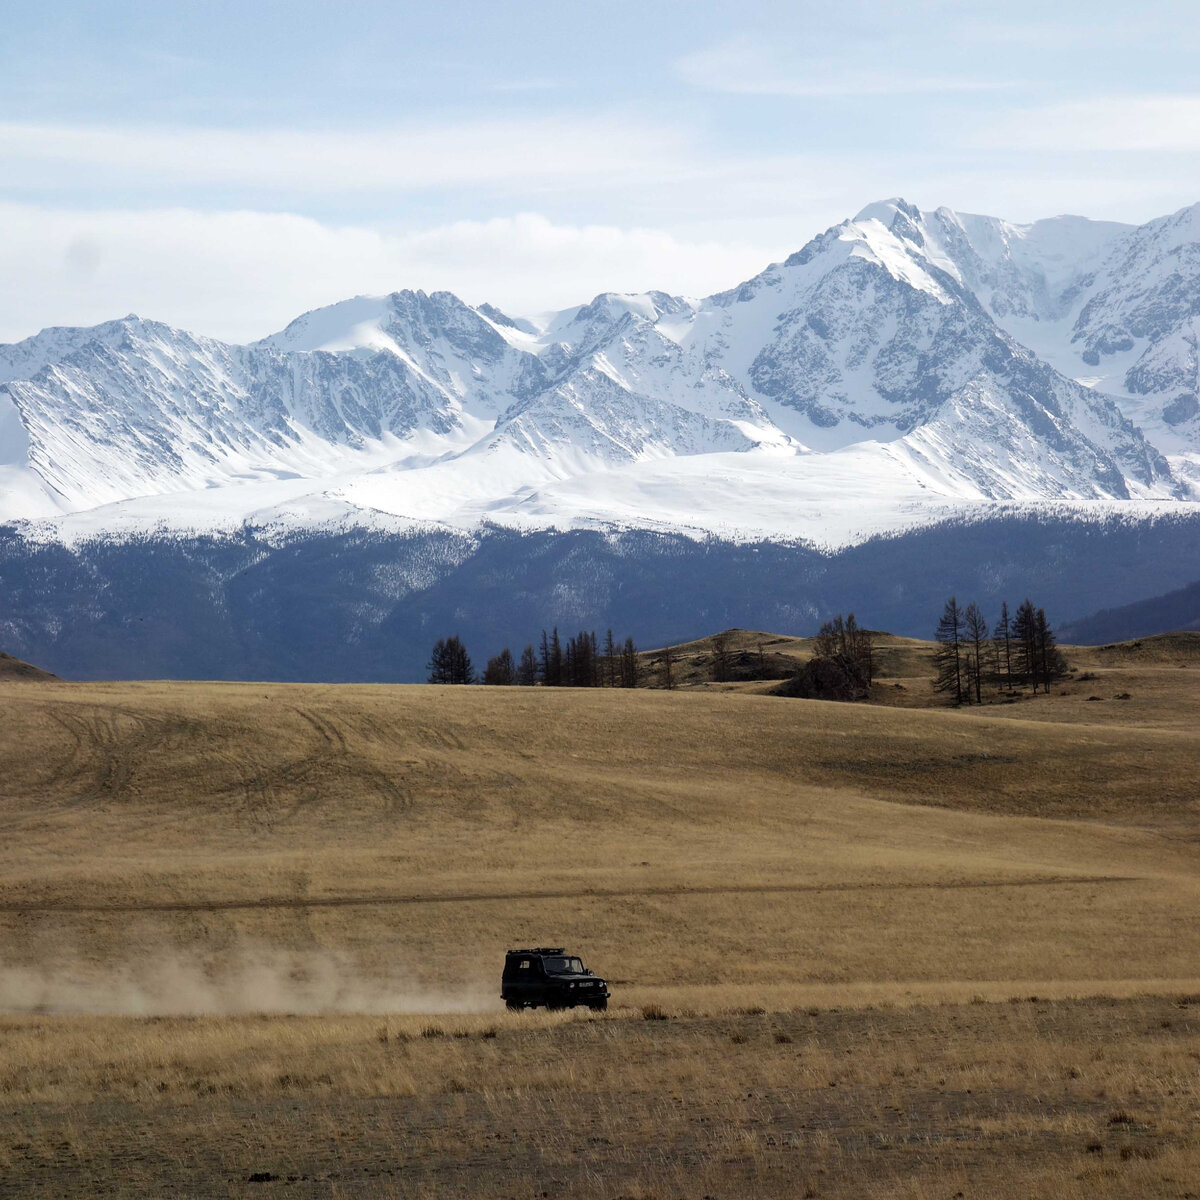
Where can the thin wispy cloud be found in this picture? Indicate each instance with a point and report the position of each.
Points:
(1121, 124)
(395, 159)
(748, 67)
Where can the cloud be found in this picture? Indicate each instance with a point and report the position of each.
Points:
(524, 151)
(241, 275)
(1140, 123)
(748, 67)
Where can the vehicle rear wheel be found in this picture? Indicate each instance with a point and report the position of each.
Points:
(514, 1006)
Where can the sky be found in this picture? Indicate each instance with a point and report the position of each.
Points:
(224, 167)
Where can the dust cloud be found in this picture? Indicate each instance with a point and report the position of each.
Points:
(254, 981)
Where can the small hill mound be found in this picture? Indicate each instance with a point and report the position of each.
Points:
(16, 669)
(826, 679)
(751, 655)
(1182, 646)
(755, 656)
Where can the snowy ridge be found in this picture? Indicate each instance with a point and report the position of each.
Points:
(1115, 306)
(900, 365)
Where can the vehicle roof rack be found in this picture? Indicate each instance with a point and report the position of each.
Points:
(540, 950)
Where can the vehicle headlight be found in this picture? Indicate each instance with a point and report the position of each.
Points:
(570, 985)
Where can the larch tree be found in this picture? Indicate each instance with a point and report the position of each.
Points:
(849, 647)
(948, 657)
(527, 668)
(1026, 657)
(611, 665)
(552, 659)
(1051, 663)
(631, 667)
(450, 663)
(666, 665)
(501, 671)
(1002, 647)
(975, 639)
(722, 658)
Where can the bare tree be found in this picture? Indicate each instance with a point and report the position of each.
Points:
(552, 659)
(1025, 650)
(610, 659)
(527, 669)
(450, 663)
(948, 658)
(631, 667)
(1002, 643)
(722, 658)
(848, 649)
(501, 671)
(580, 661)
(666, 662)
(975, 638)
(1051, 663)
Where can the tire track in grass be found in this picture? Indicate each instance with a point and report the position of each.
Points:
(395, 899)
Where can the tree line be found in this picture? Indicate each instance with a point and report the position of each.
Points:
(1020, 650)
(971, 658)
(842, 666)
(580, 661)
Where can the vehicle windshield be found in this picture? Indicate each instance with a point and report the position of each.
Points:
(563, 965)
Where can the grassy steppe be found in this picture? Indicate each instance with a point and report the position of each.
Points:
(812, 895)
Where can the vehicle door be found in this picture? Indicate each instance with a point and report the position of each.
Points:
(526, 979)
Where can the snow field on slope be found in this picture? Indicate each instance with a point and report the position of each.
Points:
(632, 421)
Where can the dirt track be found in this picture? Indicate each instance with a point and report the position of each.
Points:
(587, 893)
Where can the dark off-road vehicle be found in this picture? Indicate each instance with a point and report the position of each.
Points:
(549, 976)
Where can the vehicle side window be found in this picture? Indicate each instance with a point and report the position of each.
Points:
(525, 964)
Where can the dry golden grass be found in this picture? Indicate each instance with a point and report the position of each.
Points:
(1025, 1098)
(861, 874)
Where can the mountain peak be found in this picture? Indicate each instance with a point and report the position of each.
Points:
(886, 211)
(895, 341)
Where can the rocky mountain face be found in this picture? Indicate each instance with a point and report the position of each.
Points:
(943, 355)
(1115, 305)
(866, 337)
(1141, 312)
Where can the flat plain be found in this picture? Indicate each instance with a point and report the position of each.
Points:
(250, 937)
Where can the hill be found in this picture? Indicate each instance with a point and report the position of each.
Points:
(757, 662)
(1181, 649)
(904, 670)
(1178, 609)
(14, 668)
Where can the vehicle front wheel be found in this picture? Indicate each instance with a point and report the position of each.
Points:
(599, 1006)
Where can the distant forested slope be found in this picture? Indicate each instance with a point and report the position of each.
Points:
(363, 605)
(1179, 609)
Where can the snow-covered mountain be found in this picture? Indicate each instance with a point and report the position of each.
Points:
(900, 365)
(1116, 306)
